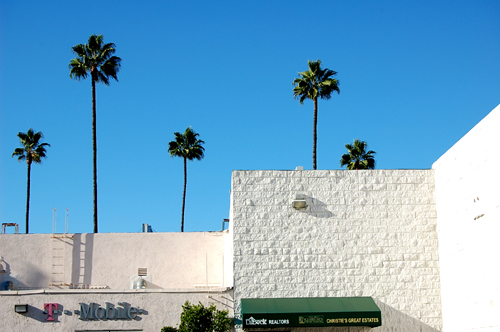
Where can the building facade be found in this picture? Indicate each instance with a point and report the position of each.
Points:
(419, 243)
(306, 251)
(109, 282)
(362, 234)
(468, 210)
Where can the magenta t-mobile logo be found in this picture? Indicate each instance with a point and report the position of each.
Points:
(50, 309)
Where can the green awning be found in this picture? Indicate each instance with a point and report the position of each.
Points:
(310, 312)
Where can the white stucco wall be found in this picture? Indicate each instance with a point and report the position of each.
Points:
(228, 251)
(468, 201)
(365, 233)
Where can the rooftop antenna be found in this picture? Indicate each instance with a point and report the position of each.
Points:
(66, 221)
(4, 226)
(54, 221)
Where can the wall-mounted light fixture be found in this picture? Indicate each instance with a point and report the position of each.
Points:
(8, 285)
(141, 284)
(299, 203)
(21, 308)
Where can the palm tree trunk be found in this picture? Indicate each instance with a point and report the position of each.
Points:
(94, 146)
(28, 196)
(184, 194)
(315, 138)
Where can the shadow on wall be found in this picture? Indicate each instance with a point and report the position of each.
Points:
(395, 320)
(150, 285)
(4, 270)
(41, 315)
(316, 208)
(83, 251)
(5, 280)
(10, 281)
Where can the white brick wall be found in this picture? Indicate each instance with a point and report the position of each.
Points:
(468, 200)
(365, 233)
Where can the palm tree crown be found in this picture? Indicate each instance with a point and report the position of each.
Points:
(95, 58)
(32, 150)
(189, 147)
(313, 84)
(358, 157)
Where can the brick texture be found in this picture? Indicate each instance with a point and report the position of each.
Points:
(364, 233)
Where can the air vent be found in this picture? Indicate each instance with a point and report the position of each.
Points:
(142, 271)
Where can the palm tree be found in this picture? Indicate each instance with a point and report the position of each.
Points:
(97, 59)
(314, 83)
(33, 151)
(358, 157)
(189, 147)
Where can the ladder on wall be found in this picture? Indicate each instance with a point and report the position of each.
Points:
(59, 243)
(57, 277)
(81, 264)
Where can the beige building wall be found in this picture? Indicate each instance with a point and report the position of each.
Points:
(468, 206)
(159, 308)
(110, 260)
(102, 270)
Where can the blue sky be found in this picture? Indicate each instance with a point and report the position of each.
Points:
(415, 76)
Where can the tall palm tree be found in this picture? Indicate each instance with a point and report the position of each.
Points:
(358, 157)
(97, 59)
(33, 151)
(313, 84)
(189, 147)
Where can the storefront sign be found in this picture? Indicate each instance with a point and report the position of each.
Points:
(266, 322)
(51, 309)
(352, 321)
(94, 311)
(310, 312)
(279, 322)
(311, 320)
(252, 321)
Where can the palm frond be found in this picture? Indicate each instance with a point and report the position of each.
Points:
(77, 69)
(108, 50)
(345, 160)
(19, 152)
(79, 50)
(111, 67)
(23, 136)
(95, 43)
(101, 78)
